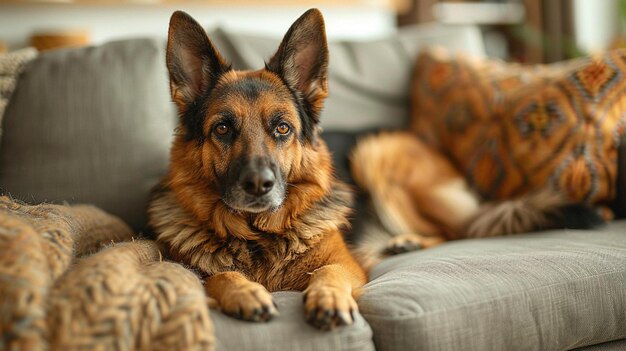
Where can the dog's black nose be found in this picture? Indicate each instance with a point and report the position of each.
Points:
(257, 182)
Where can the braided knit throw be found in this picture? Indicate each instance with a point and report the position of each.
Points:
(11, 66)
(61, 288)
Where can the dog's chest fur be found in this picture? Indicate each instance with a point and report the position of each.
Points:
(277, 261)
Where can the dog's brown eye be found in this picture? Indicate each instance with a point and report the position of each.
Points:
(222, 129)
(282, 128)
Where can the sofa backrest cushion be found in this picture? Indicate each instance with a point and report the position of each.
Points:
(90, 125)
(94, 125)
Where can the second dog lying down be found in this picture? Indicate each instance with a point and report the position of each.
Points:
(421, 200)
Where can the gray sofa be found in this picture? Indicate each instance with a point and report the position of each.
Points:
(93, 125)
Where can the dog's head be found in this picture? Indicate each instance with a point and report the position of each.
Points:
(244, 134)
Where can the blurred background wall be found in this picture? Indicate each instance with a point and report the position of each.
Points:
(532, 30)
(19, 20)
(518, 30)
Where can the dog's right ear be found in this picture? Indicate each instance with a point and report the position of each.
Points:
(193, 63)
(302, 61)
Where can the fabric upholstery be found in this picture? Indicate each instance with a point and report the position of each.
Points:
(554, 290)
(618, 345)
(90, 125)
(513, 129)
(288, 331)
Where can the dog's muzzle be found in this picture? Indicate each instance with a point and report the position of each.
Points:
(257, 187)
(257, 178)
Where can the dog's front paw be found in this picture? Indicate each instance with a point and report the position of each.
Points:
(251, 302)
(329, 307)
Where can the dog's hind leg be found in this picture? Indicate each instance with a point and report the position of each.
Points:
(450, 204)
(418, 196)
(404, 220)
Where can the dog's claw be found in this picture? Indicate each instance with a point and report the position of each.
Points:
(344, 318)
(411, 242)
(403, 244)
(402, 248)
(310, 316)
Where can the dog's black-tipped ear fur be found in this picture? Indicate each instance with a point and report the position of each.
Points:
(302, 61)
(193, 63)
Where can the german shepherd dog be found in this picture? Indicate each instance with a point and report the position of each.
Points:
(250, 199)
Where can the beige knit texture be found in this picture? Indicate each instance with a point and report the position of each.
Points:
(72, 278)
(11, 66)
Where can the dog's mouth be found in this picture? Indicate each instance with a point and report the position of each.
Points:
(256, 206)
(239, 201)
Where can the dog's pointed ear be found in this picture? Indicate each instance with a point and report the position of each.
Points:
(302, 60)
(193, 63)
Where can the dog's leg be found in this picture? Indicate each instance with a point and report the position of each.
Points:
(241, 298)
(450, 203)
(411, 242)
(420, 199)
(328, 300)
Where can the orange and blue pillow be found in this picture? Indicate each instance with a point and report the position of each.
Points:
(513, 129)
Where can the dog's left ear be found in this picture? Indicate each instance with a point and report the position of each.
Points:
(302, 61)
(194, 64)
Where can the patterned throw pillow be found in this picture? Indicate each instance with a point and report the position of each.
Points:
(513, 129)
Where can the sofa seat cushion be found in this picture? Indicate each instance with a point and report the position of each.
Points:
(288, 331)
(554, 290)
(617, 345)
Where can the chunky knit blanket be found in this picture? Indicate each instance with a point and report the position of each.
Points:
(73, 278)
(11, 66)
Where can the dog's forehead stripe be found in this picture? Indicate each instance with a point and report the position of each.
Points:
(248, 84)
(249, 87)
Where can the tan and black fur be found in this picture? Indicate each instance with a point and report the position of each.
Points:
(251, 199)
(421, 200)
